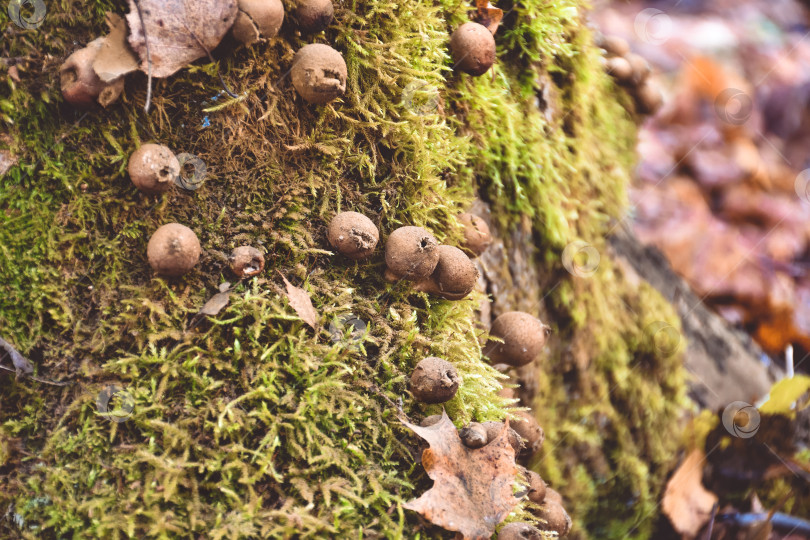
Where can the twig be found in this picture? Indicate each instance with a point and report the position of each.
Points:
(148, 60)
(37, 379)
(21, 364)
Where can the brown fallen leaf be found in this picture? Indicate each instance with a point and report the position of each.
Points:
(177, 31)
(472, 489)
(302, 304)
(687, 504)
(115, 58)
(218, 302)
(487, 15)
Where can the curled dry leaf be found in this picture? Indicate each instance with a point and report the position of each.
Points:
(21, 363)
(115, 58)
(472, 489)
(177, 31)
(687, 504)
(218, 302)
(487, 15)
(302, 304)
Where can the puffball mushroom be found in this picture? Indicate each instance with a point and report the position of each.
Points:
(314, 16)
(523, 339)
(153, 168)
(473, 48)
(258, 19)
(434, 380)
(520, 531)
(173, 250)
(353, 235)
(477, 236)
(246, 261)
(530, 431)
(494, 429)
(555, 517)
(537, 487)
(619, 68)
(319, 73)
(474, 435)
(81, 86)
(648, 97)
(614, 45)
(453, 278)
(411, 253)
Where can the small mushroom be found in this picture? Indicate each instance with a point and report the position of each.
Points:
(81, 86)
(520, 531)
(434, 380)
(314, 16)
(246, 261)
(477, 236)
(319, 73)
(473, 435)
(537, 487)
(648, 97)
(529, 429)
(411, 253)
(619, 68)
(473, 48)
(614, 45)
(553, 495)
(494, 429)
(153, 168)
(641, 68)
(453, 278)
(555, 518)
(173, 250)
(523, 339)
(258, 19)
(353, 235)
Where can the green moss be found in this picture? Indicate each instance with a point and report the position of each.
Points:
(252, 424)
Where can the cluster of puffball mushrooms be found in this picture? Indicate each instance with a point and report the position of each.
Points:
(631, 71)
(413, 254)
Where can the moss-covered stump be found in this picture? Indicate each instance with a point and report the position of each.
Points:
(250, 423)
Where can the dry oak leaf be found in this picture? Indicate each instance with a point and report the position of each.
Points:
(487, 15)
(302, 304)
(472, 488)
(687, 504)
(114, 58)
(177, 31)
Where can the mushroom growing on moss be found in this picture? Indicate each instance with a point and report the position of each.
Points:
(319, 73)
(81, 86)
(153, 168)
(473, 48)
(523, 339)
(477, 236)
(537, 487)
(411, 253)
(246, 261)
(494, 429)
(473, 435)
(173, 250)
(529, 429)
(258, 19)
(520, 531)
(434, 380)
(353, 235)
(555, 518)
(314, 16)
(453, 278)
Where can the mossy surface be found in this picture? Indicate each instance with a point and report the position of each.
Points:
(251, 424)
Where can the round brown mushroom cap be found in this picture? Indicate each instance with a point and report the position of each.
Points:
(246, 261)
(314, 16)
(537, 487)
(454, 277)
(619, 68)
(529, 429)
(81, 86)
(173, 250)
(258, 19)
(555, 517)
(494, 429)
(520, 531)
(474, 435)
(553, 495)
(614, 45)
(523, 339)
(153, 168)
(641, 68)
(319, 73)
(411, 253)
(353, 235)
(434, 380)
(648, 97)
(477, 236)
(473, 48)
